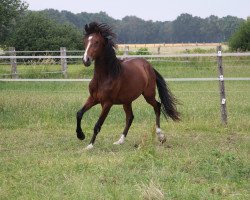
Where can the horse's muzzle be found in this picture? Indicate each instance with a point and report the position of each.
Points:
(87, 62)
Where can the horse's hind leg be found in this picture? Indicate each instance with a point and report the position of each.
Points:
(129, 119)
(157, 108)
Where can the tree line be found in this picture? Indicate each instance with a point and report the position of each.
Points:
(131, 29)
(49, 29)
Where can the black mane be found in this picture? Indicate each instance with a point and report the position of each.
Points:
(113, 63)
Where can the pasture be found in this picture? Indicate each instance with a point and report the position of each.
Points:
(173, 48)
(41, 158)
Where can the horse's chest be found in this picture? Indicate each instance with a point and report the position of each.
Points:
(102, 91)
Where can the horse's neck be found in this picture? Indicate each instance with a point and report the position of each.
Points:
(106, 68)
(101, 71)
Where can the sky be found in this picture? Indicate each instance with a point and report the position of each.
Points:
(155, 10)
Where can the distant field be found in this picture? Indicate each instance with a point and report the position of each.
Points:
(41, 158)
(174, 47)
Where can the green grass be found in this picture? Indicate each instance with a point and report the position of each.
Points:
(169, 67)
(41, 158)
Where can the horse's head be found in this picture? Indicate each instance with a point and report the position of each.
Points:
(94, 45)
(97, 38)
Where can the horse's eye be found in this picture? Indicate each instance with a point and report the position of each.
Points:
(95, 44)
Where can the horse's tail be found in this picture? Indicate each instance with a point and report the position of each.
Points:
(167, 98)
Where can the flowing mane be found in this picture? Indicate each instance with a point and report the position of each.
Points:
(113, 63)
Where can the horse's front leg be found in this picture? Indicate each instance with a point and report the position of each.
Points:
(105, 110)
(89, 103)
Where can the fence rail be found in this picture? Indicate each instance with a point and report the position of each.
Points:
(64, 59)
(88, 79)
(132, 56)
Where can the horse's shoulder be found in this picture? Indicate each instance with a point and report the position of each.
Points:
(93, 85)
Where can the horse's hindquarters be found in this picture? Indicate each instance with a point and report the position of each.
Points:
(136, 78)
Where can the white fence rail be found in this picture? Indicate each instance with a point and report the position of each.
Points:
(88, 79)
(132, 56)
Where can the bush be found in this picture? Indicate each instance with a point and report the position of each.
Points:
(240, 41)
(36, 32)
(142, 51)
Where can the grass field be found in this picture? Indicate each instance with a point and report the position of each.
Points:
(174, 48)
(41, 158)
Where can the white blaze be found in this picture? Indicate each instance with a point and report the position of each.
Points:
(86, 51)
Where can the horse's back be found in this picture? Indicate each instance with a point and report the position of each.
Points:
(138, 68)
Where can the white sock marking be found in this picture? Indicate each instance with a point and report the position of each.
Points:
(158, 130)
(90, 146)
(121, 140)
(160, 135)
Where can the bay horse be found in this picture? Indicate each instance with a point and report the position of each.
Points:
(120, 82)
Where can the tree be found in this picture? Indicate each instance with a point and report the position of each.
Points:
(186, 28)
(229, 25)
(10, 11)
(241, 38)
(131, 29)
(36, 32)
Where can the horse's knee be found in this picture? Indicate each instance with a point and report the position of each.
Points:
(79, 114)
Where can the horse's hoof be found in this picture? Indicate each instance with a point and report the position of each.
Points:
(80, 135)
(161, 138)
(120, 141)
(90, 146)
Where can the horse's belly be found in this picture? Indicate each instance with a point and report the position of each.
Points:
(130, 91)
(126, 98)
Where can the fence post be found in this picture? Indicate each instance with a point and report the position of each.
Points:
(126, 51)
(63, 61)
(13, 62)
(222, 87)
(159, 50)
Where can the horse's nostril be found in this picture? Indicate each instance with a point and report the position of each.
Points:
(87, 61)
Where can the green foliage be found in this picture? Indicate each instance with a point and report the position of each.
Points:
(199, 51)
(37, 32)
(131, 29)
(188, 28)
(10, 11)
(241, 38)
(142, 51)
(54, 31)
